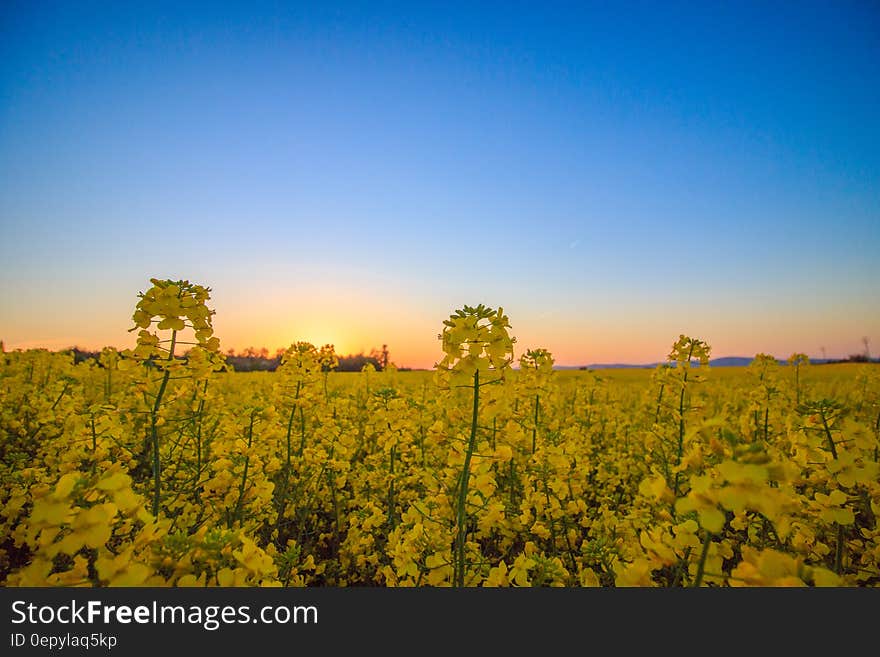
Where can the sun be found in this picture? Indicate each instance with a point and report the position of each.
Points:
(319, 334)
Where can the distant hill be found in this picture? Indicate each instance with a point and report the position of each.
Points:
(733, 361)
(724, 361)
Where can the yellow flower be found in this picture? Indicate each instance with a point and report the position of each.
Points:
(497, 576)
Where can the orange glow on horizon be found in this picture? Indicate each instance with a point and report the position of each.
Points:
(358, 321)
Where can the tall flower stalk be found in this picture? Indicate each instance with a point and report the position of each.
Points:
(173, 306)
(478, 352)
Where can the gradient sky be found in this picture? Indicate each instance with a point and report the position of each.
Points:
(611, 174)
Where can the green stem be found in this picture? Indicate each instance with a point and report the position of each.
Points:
(290, 430)
(391, 490)
(679, 572)
(828, 435)
(702, 565)
(766, 418)
(61, 396)
(512, 480)
(154, 429)
(332, 481)
(461, 509)
(94, 444)
(659, 403)
(199, 422)
(681, 424)
(553, 550)
(302, 431)
(535, 427)
(285, 475)
(838, 555)
(241, 488)
(109, 392)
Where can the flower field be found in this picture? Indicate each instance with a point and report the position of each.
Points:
(156, 466)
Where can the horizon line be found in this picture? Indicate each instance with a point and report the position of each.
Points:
(556, 366)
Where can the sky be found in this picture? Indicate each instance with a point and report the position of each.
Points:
(611, 174)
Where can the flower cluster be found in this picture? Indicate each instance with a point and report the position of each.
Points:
(475, 339)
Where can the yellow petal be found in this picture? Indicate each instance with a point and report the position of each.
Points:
(711, 519)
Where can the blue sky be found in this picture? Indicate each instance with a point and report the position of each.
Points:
(612, 174)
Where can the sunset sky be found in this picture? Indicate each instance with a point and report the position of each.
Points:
(611, 174)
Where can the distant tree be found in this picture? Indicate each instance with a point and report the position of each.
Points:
(379, 357)
(251, 359)
(356, 362)
(81, 355)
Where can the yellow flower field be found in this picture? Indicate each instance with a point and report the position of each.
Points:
(157, 466)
